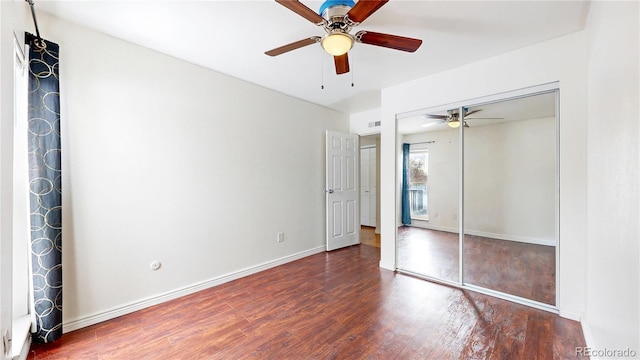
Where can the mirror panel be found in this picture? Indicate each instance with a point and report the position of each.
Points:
(429, 245)
(510, 197)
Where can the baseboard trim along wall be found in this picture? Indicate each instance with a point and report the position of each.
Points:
(571, 316)
(174, 294)
(588, 338)
(521, 239)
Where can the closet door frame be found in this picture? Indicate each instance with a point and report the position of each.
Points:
(553, 87)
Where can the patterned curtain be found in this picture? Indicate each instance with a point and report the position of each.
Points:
(45, 188)
(406, 208)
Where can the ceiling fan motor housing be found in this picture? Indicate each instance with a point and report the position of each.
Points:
(328, 4)
(338, 40)
(334, 12)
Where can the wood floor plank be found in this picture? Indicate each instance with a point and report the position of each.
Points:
(337, 305)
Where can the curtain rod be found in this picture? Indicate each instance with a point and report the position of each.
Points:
(35, 22)
(423, 142)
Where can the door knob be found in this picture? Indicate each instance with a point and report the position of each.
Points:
(330, 191)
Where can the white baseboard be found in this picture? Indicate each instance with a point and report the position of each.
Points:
(526, 240)
(570, 315)
(521, 239)
(588, 337)
(426, 225)
(174, 294)
(599, 352)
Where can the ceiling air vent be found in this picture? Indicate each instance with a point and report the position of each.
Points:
(374, 124)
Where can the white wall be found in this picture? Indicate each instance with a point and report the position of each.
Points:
(612, 318)
(164, 160)
(510, 181)
(561, 59)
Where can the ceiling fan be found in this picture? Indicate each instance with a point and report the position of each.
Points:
(338, 17)
(452, 118)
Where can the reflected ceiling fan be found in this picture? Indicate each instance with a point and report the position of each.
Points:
(452, 118)
(338, 17)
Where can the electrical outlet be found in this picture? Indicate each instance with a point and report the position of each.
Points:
(280, 237)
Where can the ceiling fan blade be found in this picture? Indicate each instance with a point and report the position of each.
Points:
(388, 41)
(471, 112)
(363, 9)
(294, 45)
(342, 63)
(441, 117)
(300, 9)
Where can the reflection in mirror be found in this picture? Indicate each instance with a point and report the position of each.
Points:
(510, 197)
(428, 241)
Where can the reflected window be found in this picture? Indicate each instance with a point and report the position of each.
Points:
(418, 174)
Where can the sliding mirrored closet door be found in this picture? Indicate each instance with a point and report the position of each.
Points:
(510, 197)
(499, 157)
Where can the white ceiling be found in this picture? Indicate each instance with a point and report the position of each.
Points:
(232, 36)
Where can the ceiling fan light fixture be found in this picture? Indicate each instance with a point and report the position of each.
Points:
(337, 43)
(455, 123)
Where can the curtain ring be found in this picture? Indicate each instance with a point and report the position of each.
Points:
(39, 44)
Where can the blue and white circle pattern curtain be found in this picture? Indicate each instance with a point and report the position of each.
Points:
(45, 189)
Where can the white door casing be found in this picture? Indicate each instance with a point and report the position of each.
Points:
(341, 190)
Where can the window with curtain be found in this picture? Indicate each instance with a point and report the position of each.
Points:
(417, 184)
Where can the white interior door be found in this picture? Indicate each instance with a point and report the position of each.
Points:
(342, 194)
(368, 186)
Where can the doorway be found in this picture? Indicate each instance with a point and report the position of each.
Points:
(369, 190)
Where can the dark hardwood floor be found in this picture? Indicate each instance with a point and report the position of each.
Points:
(525, 270)
(337, 305)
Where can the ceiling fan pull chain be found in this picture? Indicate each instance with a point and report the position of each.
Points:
(322, 73)
(352, 72)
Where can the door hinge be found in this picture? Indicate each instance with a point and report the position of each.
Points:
(6, 343)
